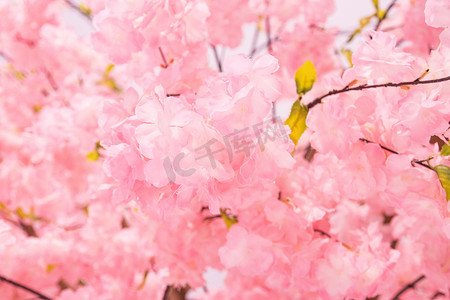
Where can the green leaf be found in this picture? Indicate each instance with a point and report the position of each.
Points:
(297, 120)
(305, 77)
(229, 220)
(445, 151)
(444, 177)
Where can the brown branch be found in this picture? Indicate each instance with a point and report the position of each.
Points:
(414, 161)
(382, 147)
(408, 286)
(23, 287)
(175, 293)
(365, 87)
(385, 15)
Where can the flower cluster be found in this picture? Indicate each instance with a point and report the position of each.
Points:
(137, 159)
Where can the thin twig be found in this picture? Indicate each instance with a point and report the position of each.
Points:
(264, 46)
(269, 39)
(385, 15)
(437, 295)
(78, 9)
(212, 217)
(254, 42)
(407, 287)
(382, 147)
(322, 233)
(365, 87)
(420, 162)
(414, 161)
(165, 64)
(21, 286)
(216, 55)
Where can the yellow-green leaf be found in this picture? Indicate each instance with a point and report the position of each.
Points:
(381, 13)
(37, 108)
(93, 156)
(50, 268)
(108, 69)
(81, 282)
(375, 3)
(362, 23)
(297, 120)
(445, 151)
(229, 220)
(348, 55)
(30, 216)
(108, 81)
(19, 75)
(85, 10)
(444, 177)
(141, 286)
(305, 77)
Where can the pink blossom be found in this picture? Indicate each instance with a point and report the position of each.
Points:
(247, 251)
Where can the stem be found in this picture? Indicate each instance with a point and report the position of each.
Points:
(322, 233)
(5, 57)
(385, 15)
(420, 162)
(269, 39)
(382, 147)
(407, 287)
(24, 288)
(216, 55)
(212, 217)
(274, 113)
(254, 41)
(264, 46)
(365, 87)
(165, 64)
